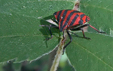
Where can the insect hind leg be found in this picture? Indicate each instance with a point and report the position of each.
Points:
(80, 28)
(84, 34)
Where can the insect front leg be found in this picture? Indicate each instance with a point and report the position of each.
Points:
(50, 33)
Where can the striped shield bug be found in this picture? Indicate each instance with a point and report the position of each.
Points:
(70, 20)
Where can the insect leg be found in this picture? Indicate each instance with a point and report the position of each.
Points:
(80, 28)
(50, 33)
(49, 26)
(89, 26)
(77, 35)
(69, 41)
(84, 34)
(96, 29)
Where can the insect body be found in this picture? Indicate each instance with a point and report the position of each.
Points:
(70, 20)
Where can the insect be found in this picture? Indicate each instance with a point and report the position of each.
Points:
(70, 20)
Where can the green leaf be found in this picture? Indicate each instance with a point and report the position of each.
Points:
(91, 55)
(21, 37)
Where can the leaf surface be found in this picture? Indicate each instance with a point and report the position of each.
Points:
(21, 36)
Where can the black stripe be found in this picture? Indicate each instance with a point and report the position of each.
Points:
(81, 16)
(68, 18)
(74, 20)
(86, 19)
(64, 14)
(58, 18)
(81, 21)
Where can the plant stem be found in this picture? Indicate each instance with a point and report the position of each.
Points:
(58, 53)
